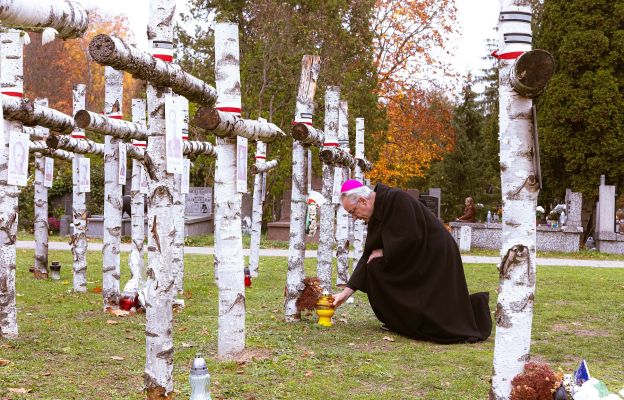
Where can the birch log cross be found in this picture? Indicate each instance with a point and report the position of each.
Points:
(40, 202)
(11, 83)
(113, 200)
(31, 114)
(259, 169)
(304, 110)
(65, 19)
(520, 188)
(341, 174)
(325, 254)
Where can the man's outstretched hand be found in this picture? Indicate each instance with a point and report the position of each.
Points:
(342, 296)
(375, 254)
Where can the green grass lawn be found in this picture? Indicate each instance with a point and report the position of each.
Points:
(65, 345)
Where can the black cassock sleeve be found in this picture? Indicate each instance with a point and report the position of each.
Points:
(403, 228)
(358, 278)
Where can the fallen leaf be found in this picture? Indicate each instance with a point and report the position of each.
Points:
(112, 322)
(4, 362)
(97, 289)
(119, 313)
(343, 320)
(117, 358)
(388, 339)
(351, 344)
(29, 314)
(187, 345)
(19, 390)
(309, 373)
(130, 337)
(183, 329)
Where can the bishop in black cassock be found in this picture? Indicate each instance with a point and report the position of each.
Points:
(411, 269)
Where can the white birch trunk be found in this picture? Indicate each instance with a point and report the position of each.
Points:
(263, 167)
(325, 250)
(256, 212)
(32, 114)
(42, 147)
(117, 128)
(137, 211)
(342, 216)
(36, 132)
(228, 240)
(358, 225)
(11, 82)
(69, 18)
(225, 124)
(308, 135)
(135, 153)
(514, 309)
(79, 207)
(336, 156)
(74, 144)
(304, 110)
(178, 211)
(113, 201)
(160, 283)
(41, 214)
(114, 52)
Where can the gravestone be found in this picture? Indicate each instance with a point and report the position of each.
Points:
(574, 207)
(436, 192)
(465, 238)
(199, 201)
(605, 219)
(432, 203)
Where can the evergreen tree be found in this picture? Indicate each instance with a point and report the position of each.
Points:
(581, 114)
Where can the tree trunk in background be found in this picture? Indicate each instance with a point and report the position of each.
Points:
(256, 213)
(69, 18)
(228, 241)
(79, 207)
(113, 201)
(358, 225)
(11, 82)
(328, 209)
(160, 287)
(310, 69)
(137, 209)
(342, 216)
(519, 186)
(41, 214)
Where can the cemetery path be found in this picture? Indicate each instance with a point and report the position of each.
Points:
(467, 259)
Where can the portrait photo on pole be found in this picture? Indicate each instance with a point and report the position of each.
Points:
(18, 159)
(241, 164)
(173, 136)
(122, 164)
(48, 174)
(84, 175)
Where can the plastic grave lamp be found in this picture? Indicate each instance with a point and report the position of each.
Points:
(247, 277)
(325, 309)
(199, 379)
(55, 270)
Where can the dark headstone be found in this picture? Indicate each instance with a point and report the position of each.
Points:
(431, 202)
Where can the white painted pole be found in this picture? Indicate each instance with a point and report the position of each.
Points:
(228, 240)
(325, 251)
(11, 84)
(342, 216)
(519, 186)
(113, 199)
(304, 110)
(160, 287)
(41, 214)
(79, 207)
(256, 212)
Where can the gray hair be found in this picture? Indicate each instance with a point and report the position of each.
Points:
(355, 194)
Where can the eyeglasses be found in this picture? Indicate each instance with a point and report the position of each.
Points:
(351, 211)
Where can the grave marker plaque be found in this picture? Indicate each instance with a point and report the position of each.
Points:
(199, 201)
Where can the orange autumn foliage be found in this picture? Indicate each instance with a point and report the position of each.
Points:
(420, 130)
(52, 70)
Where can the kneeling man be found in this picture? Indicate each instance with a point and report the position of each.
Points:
(411, 269)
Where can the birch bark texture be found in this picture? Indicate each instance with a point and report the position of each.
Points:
(32, 114)
(107, 125)
(226, 124)
(327, 224)
(79, 208)
(69, 19)
(75, 144)
(228, 241)
(11, 82)
(160, 283)
(256, 213)
(519, 186)
(179, 202)
(342, 216)
(310, 68)
(137, 208)
(41, 214)
(113, 201)
(358, 225)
